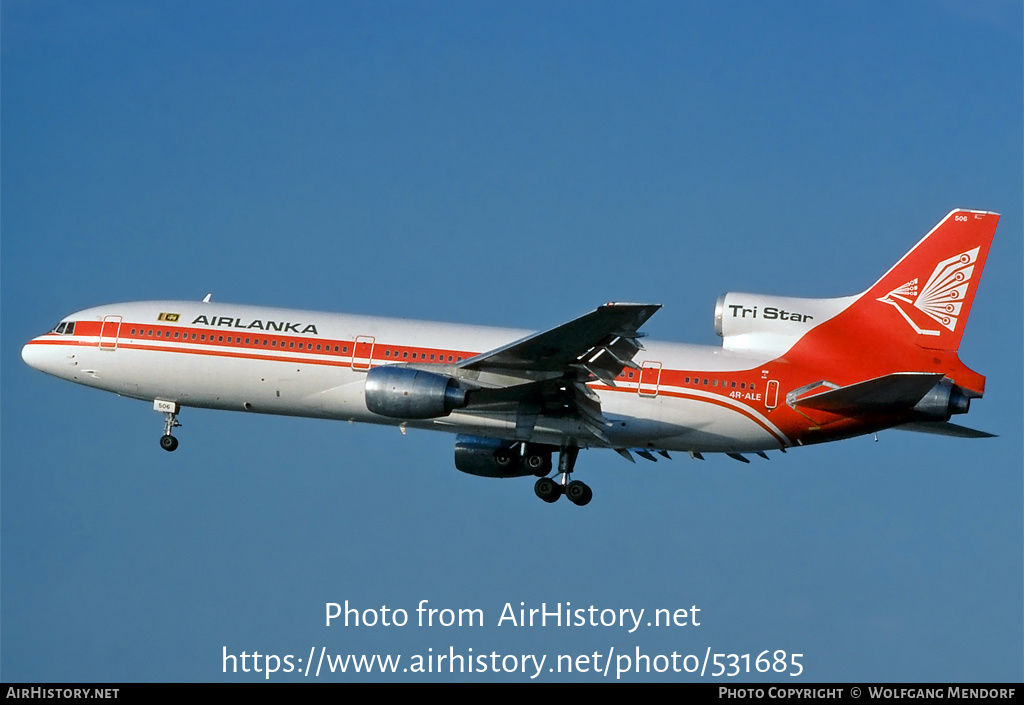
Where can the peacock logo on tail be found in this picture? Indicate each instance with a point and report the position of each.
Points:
(941, 297)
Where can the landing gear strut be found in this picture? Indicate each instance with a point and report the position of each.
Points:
(170, 411)
(550, 490)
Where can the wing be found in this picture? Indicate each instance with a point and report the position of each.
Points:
(555, 365)
(601, 342)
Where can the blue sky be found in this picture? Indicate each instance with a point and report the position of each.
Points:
(510, 164)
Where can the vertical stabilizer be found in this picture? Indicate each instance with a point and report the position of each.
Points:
(926, 297)
(913, 318)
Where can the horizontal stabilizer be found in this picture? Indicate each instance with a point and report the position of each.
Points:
(943, 428)
(898, 390)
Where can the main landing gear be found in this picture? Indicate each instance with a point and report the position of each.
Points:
(170, 411)
(549, 490)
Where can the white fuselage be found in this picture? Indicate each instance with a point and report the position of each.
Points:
(302, 363)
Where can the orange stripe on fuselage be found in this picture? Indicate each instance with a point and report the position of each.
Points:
(87, 333)
(731, 405)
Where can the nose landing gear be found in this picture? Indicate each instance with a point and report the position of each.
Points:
(170, 411)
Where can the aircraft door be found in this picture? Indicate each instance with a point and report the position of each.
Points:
(650, 377)
(109, 332)
(362, 352)
(771, 396)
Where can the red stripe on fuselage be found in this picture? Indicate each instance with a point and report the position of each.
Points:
(731, 405)
(190, 342)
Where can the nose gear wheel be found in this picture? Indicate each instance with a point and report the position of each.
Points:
(167, 441)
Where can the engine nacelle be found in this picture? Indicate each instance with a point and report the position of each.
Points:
(407, 393)
(770, 323)
(494, 457)
(944, 400)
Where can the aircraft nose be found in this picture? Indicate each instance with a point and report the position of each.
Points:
(32, 355)
(41, 356)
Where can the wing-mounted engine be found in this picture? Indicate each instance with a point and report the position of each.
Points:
(770, 323)
(407, 393)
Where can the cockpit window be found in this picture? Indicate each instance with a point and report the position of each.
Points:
(65, 328)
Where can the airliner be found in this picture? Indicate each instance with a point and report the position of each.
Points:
(790, 371)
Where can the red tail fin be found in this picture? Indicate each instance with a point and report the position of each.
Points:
(913, 318)
(928, 294)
